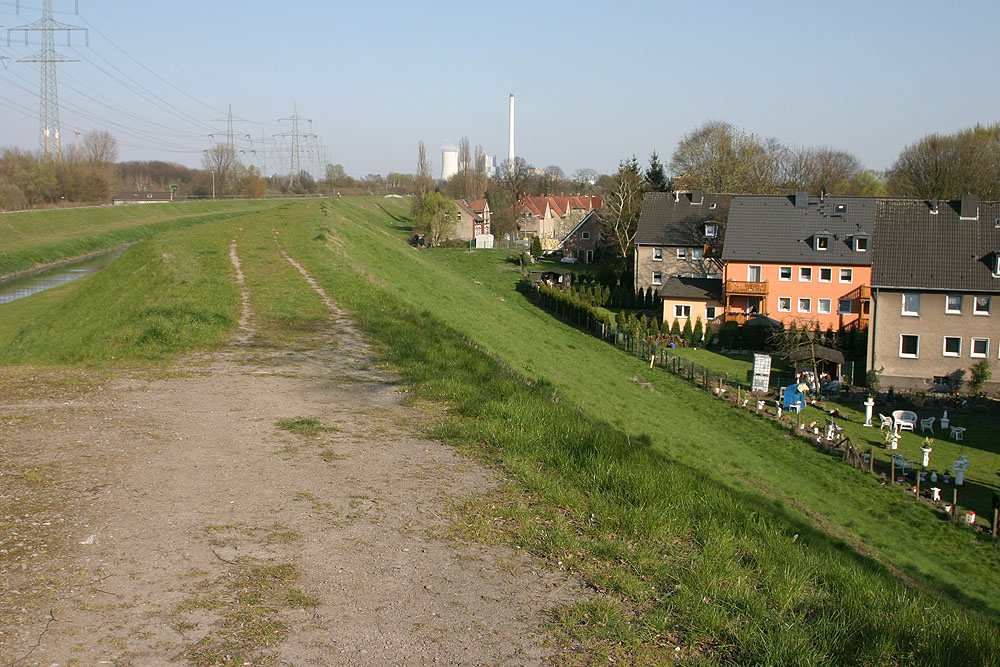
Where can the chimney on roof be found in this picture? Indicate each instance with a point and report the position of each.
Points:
(677, 196)
(822, 194)
(802, 199)
(934, 206)
(696, 197)
(970, 207)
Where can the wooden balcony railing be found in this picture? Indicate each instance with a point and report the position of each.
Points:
(746, 287)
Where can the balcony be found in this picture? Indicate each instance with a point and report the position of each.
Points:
(746, 288)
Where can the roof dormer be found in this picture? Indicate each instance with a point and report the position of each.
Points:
(861, 243)
(822, 241)
(970, 207)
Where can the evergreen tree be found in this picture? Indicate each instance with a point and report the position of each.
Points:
(620, 321)
(675, 328)
(536, 247)
(698, 331)
(709, 333)
(687, 333)
(655, 180)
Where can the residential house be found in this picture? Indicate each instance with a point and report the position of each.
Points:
(936, 293)
(582, 241)
(142, 197)
(551, 218)
(687, 298)
(473, 218)
(679, 234)
(801, 260)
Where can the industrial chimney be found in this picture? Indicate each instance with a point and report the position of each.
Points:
(510, 140)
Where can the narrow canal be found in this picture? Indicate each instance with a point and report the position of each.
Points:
(18, 288)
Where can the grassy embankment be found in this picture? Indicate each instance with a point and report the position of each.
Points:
(707, 529)
(40, 237)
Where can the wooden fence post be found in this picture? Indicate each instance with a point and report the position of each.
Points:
(954, 504)
(892, 474)
(996, 515)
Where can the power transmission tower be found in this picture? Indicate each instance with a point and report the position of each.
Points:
(4, 59)
(295, 139)
(230, 134)
(48, 143)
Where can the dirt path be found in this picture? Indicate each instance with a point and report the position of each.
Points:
(150, 521)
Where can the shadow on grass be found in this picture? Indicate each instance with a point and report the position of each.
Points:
(404, 224)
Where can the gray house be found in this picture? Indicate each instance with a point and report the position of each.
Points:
(935, 293)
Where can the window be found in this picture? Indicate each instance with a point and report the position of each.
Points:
(982, 306)
(909, 345)
(845, 306)
(710, 312)
(711, 231)
(784, 273)
(682, 253)
(805, 274)
(805, 305)
(911, 305)
(861, 243)
(657, 277)
(590, 256)
(823, 306)
(682, 311)
(585, 236)
(822, 242)
(954, 304)
(826, 275)
(846, 275)
(657, 254)
(784, 304)
(753, 274)
(980, 347)
(952, 346)
(697, 253)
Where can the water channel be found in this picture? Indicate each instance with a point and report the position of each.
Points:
(18, 288)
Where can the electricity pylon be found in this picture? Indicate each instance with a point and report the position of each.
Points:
(48, 143)
(296, 148)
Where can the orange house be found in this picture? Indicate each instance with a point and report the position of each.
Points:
(801, 260)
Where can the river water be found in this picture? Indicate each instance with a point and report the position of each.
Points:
(18, 288)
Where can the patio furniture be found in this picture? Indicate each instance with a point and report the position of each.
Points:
(886, 421)
(935, 493)
(957, 433)
(905, 420)
(927, 424)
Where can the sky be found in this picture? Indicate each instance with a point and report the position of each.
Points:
(595, 82)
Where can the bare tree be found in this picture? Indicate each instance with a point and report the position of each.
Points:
(585, 177)
(100, 147)
(723, 158)
(222, 161)
(424, 182)
(464, 155)
(948, 166)
(622, 205)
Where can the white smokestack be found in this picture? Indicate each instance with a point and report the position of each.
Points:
(510, 143)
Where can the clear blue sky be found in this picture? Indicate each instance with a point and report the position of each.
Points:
(594, 81)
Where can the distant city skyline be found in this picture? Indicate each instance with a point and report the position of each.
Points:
(594, 84)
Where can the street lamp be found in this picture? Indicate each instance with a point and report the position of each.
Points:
(213, 185)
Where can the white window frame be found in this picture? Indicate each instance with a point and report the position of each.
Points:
(819, 306)
(711, 230)
(697, 253)
(915, 355)
(657, 254)
(713, 314)
(590, 257)
(682, 253)
(979, 355)
(975, 306)
(944, 346)
(585, 236)
(781, 270)
(804, 271)
(821, 243)
(657, 278)
(750, 271)
(804, 300)
(857, 243)
(849, 273)
(788, 304)
(840, 306)
(682, 312)
(910, 313)
(821, 270)
(947, 304)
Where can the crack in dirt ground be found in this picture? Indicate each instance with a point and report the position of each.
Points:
(151, 520)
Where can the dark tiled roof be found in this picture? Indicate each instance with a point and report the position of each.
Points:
(769, 228)
(917, 249)
(666, 222)
(691, 288)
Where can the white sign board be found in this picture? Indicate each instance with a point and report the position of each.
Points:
(761, 372)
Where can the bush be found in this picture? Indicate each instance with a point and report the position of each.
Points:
(979, 375)
(536, 247)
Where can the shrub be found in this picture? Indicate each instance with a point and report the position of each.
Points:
(979, 375)
(536, 247)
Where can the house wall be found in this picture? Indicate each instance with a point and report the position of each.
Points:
(670, 265)
(698, 309)
(931, 325)
(577, 246)
(814, 290)
(465, 227)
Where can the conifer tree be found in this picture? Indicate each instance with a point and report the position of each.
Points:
(687, 333)
(698, 332)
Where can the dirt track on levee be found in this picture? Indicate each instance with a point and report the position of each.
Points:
(168, 518)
